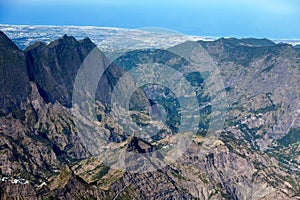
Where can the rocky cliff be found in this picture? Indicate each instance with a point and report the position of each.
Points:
(256, 156)
(13, 91)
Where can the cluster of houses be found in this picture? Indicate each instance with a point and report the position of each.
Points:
(14, 180)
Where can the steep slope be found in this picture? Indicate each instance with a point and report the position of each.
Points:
(38, 137)
(54, 67)
(15, 86)
(252, 42)
(262, 84)
(245, 162)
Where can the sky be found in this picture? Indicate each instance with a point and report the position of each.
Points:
(274, 19)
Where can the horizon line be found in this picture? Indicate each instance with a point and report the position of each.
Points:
(275, 40)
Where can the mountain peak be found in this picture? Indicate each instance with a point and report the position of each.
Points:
(5, 42)
(15, 86)
(85, 40)
(69, 54)
(36, 45)
(252, 42)
(138, 145)
(65, 39)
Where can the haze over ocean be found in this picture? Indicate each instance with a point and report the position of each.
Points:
(231, 18)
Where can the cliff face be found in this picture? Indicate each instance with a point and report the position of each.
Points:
(255, 157)
(14, 81)
(54, 67)
(262, 84)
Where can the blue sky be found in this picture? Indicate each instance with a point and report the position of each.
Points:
(276, 19)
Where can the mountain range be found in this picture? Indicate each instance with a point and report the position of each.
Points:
(256, 155)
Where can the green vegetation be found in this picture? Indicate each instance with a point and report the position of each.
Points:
(103, 171)
(292, 137)
(204, 178)
(127, 194)
(177, 174)
(267, 109)
(269, 68)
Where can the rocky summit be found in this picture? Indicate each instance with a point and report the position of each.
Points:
(49, 149)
